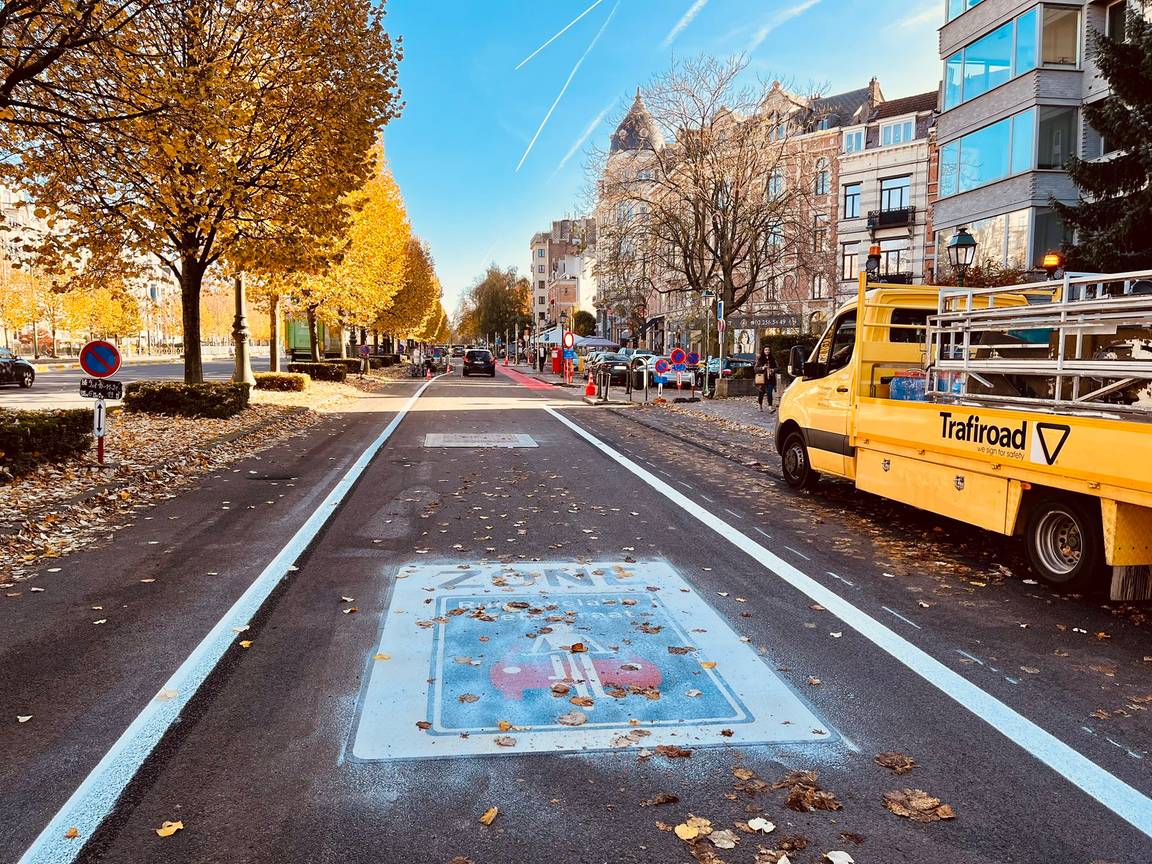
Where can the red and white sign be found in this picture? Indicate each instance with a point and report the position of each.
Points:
(100, 359)
(569, 339)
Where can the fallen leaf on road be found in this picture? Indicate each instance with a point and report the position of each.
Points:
(423, 724)
(839, 857)
(560, 689)
(660, 799)
(349, 610)
(743, 773)
(23, 718)
(707, 664)
(578, 648)
(671, 751)
(805, 794)
(693, 693)
(169, 828)
(489, 816)
(836, 635)
(468, 697)
(503, 725)
(762, 825)
(1031, 670)
(245, 643)
(166, 695)
(505, 741)
(897, 762)
(460, 859)
(572, 718)
(723, 839)
(693, 827)
(917, 805)
(348, 599)
(381, 657)
(583, 701)
(101, 621)
(815, 682)
(72, 833)
(677, 649)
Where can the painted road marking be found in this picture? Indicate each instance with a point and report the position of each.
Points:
(841, 578)
(734, 513)
(1125, 801)
(97, 795)
(642, 667)
(901, 617)
(797, 552)
(476, 439)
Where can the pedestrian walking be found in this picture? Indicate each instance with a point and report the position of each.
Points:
(417, 361)
(765, 379)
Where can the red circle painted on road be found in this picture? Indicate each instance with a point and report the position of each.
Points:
(100, 359)
(678, 356)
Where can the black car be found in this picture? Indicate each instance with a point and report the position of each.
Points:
(616, 365)
(479, 361)
(15, 370)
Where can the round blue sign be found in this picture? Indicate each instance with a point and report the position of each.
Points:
(693, 359)
(661, 366)
(100, 359)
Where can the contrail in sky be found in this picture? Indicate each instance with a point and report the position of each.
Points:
(564, 89)
(684, 21)
(587, 132)
(776, 20)
(558, 35)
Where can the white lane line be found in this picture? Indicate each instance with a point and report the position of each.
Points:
(95, 798)
(765, 533)
(797, 552)
(901, 617)
(706, 498)
(969, 656)
(734, 513)
(685, 485)
(841, 578)
(1125, 801)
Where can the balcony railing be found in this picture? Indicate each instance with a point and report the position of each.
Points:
(896, 218)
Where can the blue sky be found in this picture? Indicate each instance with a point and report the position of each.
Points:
(471, 114)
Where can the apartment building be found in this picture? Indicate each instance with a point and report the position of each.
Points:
(562, 269)
(1016, 74)
(884, 194)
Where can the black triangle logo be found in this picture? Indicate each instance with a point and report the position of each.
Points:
(1050, 452)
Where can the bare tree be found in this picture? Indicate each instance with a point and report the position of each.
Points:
(727, 204)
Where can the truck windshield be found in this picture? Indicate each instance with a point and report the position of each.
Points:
(836, 347)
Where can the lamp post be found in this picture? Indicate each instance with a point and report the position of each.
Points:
(961, 253)
(708, 295)
(242, 373)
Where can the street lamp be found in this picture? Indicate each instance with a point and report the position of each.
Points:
(961, 253)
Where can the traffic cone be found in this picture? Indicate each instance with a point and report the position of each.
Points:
(590, 387)
(427, 374)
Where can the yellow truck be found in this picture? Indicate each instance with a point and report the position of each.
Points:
(1025, 410)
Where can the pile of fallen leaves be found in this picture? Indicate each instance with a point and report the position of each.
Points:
(58, 509)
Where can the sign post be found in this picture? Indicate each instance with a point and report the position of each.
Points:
(708, 295)
(661, 366)
(101, 360)
(569, 354)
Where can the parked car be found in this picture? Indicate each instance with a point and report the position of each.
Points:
(479, 361)
(15, 370)
(731, 365)
(457, 350)
(616, 365)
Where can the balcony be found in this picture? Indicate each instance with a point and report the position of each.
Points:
(898, 218)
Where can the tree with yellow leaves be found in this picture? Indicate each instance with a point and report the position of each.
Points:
(415, 307)
(249, 125)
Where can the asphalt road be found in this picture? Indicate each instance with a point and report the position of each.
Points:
(571, 632)
(60, 388)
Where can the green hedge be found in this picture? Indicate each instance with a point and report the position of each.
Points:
(350, 364)
(218, 399)
(29, 438)
(320, 371)
(281, 381)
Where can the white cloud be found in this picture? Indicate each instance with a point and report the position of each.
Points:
(695, 9)
(592, 127)
(564, 89)
(918, 20)
(781, 17)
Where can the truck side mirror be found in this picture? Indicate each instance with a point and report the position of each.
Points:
(796, 359)
(814, 370)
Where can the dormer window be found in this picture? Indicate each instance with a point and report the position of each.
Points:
(900, 132)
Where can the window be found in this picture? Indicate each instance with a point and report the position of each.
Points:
(851, 201)
(1115, 27)
(823, 176)
(959, 7)
(820, 233)
(897, 133)
(541, 301)
(542, 315)
(902, 318)
(895, 256)
(1061, 36)
(895, 193)
(1006, 52)
(540, 285)
(820, 287)
(776, 183)
(1057, 132)
(1002, 239)
(849, 260)
(854, 141)
(774, 236)
(988, 154)
(771, 290)
(539, 253)
(838, 341)
(539, 268)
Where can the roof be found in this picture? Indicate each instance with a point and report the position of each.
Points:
(917, 104)
(840, 105)
(637, 131)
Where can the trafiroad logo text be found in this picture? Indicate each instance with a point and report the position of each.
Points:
(1046, 440)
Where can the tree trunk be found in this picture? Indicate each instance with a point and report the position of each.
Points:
(191, 281)
(343, 332)
(274, 334)
(313, 335)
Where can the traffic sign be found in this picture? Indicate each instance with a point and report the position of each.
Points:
(569, 339)
(100, 359)
(662, 366)
(365, 350)
(569, 353)
(719, 310)
(99, 419)
(101, 388)
(693, 359)
(678, 356)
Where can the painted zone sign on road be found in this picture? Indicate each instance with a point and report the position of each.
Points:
(536, 657)
(100, 359)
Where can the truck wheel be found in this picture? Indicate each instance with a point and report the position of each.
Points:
(798, 471)
(1065, 542)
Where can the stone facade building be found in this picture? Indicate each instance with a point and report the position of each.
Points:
(561, 271)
